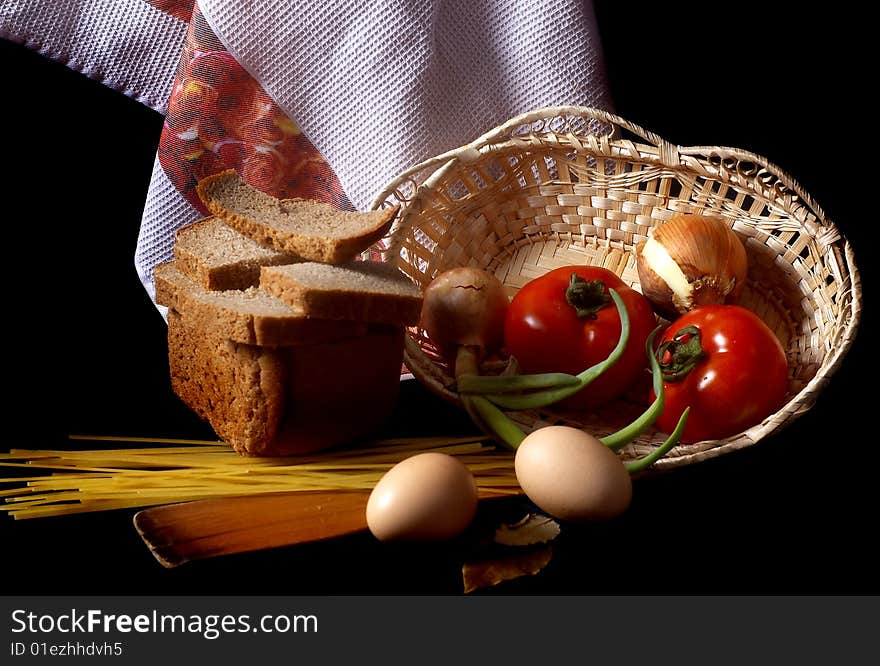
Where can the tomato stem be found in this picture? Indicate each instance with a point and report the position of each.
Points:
(625, 435)
(587, 297)
(549, 396)
(679, 355)
(655, 455)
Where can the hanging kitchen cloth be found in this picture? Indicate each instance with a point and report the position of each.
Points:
(322, 99)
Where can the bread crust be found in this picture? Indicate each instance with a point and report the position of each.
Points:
(238, 388)
(340, 392)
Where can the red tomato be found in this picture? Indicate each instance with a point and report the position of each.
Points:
(730, 369)
(546, 333)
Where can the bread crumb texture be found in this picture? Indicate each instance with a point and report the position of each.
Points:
(249, 316)
(313, 230)
(220, 258)
(359, 290)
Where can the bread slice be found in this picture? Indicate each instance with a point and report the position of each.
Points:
(310, 229)
(249, 316)
(286, 400)
(357, 291)
(218, 257)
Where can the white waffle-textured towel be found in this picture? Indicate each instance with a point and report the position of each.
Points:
(128, 45)
(380, 86)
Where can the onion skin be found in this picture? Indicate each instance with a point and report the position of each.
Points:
(710, 256)
(465, 307)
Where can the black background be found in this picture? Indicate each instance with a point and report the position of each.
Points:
(85, 349)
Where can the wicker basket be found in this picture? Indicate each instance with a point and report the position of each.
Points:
(573, 185)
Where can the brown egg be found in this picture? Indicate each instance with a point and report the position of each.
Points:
(571, 475)
(427, 497)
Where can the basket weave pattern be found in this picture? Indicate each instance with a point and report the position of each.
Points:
(571, 185)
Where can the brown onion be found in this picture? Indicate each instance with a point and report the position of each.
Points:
(691, 260)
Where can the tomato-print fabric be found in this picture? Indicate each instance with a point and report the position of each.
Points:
(220, 117)
(181, 9)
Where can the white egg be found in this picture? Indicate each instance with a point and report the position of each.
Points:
(427, 497)
(571, 475)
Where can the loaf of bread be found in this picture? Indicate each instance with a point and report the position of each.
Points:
(274, 401)
(312, 230)
(218, 257)
(316, 368)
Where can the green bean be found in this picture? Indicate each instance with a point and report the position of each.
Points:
(514, 383)
(484, 397)
(625, 435)
(644, 463)
(493, 421)
(552, 395)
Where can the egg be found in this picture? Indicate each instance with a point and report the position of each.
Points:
(571, 475)
(427, 497)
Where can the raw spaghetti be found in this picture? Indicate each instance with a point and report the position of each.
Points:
(182, 470)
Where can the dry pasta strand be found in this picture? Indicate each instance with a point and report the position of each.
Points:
(184, 470)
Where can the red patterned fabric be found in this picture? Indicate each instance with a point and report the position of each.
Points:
(220, 117)
(182, 9)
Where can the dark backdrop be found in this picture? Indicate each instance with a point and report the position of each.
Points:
(86, 349)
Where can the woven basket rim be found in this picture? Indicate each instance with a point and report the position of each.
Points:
(672, 156)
